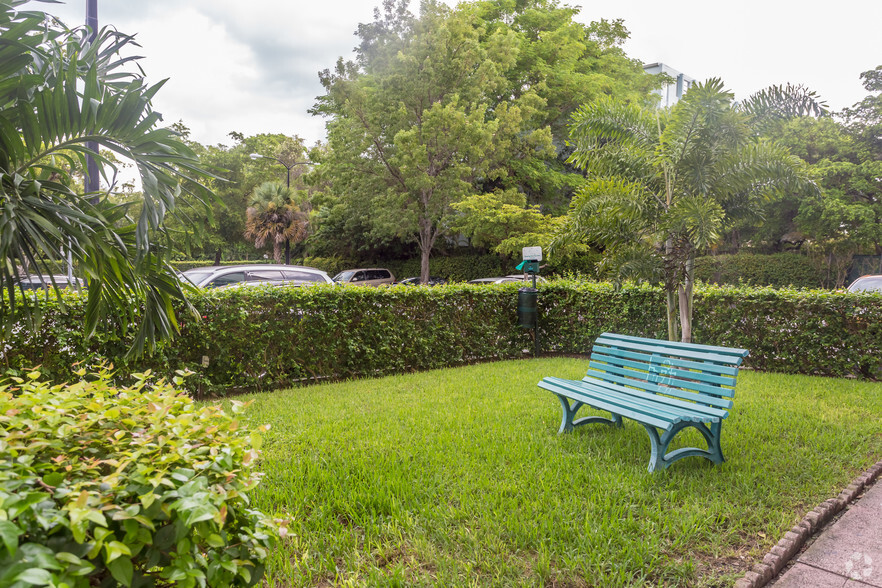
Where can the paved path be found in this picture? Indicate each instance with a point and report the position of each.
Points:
(847, 553)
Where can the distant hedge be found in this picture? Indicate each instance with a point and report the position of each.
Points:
(263, 338)
(779, 270)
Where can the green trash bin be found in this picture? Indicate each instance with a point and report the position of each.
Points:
(528, 311)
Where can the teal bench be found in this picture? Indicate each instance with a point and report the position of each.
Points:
(663, 385)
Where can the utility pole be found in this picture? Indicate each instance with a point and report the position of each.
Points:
(92, 175)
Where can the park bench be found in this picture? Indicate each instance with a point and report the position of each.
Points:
(665, 386)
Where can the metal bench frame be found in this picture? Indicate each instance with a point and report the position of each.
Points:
(665, 386)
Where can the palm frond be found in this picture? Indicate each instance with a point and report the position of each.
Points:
(59, 91)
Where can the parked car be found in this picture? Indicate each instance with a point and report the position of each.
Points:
(374, 276)
(224, 275)
(39, 282)
(433, 281)
(866, 284)
(259, 283)
(505, 279)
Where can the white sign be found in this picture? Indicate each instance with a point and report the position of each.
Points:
(532, 254)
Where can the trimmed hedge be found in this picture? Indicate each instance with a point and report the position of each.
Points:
(780, 270)
(261, 338)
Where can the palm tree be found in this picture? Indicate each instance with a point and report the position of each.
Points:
(273, 217)
(661, 185)
(59, 90)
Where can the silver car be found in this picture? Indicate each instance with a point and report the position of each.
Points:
(866, 284)
(374, 276)
(507, 279)
(224, 275)
(40, 282)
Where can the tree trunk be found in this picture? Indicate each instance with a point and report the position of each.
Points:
(277, 251)
(426, 242)
(671, 308)
(287, 251)
(217, 256)
(424, 264)
(879, 254)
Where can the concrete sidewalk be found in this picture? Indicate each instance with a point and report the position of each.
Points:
(847, 553)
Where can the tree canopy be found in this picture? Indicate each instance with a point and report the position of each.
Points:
(459, 102)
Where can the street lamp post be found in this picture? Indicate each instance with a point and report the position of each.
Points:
(288, 184)
(92, 172)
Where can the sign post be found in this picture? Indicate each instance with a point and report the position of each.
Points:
(528, 298)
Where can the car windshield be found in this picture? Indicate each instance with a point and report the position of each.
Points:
(865, 284)
(344, 276)
(195, 276)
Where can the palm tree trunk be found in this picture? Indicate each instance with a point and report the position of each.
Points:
(670, 301)
(671, 306)
(287, 251)
(686, 296)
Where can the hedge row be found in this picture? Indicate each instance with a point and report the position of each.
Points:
(261, 338)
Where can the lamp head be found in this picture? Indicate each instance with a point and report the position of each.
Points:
(256, 156)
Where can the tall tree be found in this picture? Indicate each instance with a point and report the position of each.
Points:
(660, 182)
(58, 90)
(847, 158)
(463, 102)
(236, 177)
(411, 127)
(274, 217)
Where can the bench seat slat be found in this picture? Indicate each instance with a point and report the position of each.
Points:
(695, 407)
(712, 368)
(682, 373)
(675, 392)
(662, 349)
(657, 378)
(647, 403)
(566, 388)
(740, 354)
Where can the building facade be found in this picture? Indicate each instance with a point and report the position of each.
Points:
(671, 93)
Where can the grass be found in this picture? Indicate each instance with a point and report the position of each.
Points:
(458, 478)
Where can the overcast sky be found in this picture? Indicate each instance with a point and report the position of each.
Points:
(251, 66)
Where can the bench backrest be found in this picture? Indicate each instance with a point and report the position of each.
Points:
(700, 373)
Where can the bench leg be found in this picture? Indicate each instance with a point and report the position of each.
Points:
(569, 411)
(659, 459)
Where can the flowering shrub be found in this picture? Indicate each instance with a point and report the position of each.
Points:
(136, 486)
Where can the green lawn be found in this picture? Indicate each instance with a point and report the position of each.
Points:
(458, 478)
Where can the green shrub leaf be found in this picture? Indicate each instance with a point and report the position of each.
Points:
(122, 570)
(9, 534)
(35, 577)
